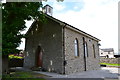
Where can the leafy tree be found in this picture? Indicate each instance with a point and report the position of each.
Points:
(14, 15)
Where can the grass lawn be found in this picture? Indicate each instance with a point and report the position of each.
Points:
(109, 64)
(24, 76)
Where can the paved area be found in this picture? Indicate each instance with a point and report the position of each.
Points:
(106, 73)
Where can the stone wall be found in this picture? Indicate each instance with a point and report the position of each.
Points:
(49, 37)
(15, 63)
(110, 60)
(57, 47)
(77, 64)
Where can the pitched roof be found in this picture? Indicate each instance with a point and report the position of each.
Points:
(68, 26)
(108, 50)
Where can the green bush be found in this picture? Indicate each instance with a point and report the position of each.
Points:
(17, 57)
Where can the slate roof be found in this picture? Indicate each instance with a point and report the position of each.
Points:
(108, 50)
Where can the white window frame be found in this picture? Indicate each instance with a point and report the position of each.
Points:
(76, 47)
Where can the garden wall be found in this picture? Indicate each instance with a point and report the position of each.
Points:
(110, 60)
(16, 62)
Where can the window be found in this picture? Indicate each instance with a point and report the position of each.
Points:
(76, 47)
(94, 51)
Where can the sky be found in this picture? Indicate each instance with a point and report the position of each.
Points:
(96, 17)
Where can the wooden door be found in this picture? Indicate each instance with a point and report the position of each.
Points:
(39, 61)
(39, 57)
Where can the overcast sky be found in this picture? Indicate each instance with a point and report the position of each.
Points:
(96, 17)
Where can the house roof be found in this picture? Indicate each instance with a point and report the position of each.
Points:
(68, 26)
(108, 50)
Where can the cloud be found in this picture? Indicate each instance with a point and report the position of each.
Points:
(75, 7)
(98, 18)
(58, 7)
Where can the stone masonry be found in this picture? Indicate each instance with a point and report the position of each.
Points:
(110, 60)
(56, 39)
(77, 64)
(50, 39)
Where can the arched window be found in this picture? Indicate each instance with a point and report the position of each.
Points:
(86, 49)
(76, 47)
(94, 51)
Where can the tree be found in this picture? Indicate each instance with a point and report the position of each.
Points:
(13, 22)
(14, 15)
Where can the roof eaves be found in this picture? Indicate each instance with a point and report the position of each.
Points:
(84, 33)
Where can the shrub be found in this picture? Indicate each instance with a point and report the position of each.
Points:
(17, 57)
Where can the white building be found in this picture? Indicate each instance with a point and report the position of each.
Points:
(107, 52)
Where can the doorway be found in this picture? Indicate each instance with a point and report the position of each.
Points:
(39, 54)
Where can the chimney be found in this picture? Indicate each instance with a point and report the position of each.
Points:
(48, 10)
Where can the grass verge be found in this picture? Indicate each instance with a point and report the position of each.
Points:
(23, 76)
(109, 64)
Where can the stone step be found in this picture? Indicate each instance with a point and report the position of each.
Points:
(36, 68)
